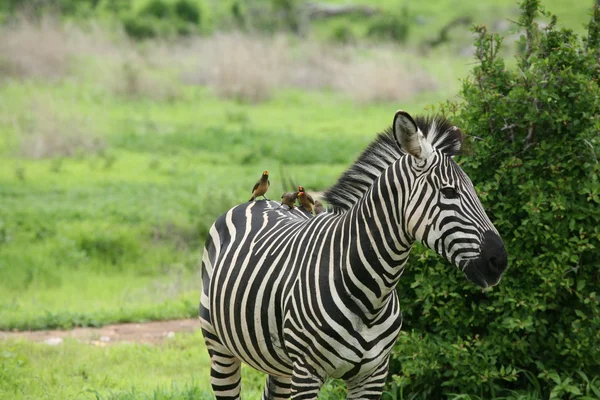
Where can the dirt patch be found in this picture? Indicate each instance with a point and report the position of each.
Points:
(148, 332)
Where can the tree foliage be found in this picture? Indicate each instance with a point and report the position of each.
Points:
(534, 138)
(154, 18)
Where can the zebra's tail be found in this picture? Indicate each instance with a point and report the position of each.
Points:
(209, 256)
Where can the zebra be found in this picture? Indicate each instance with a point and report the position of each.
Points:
(306, 298)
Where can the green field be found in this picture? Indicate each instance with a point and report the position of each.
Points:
(176, 369)
(116, 235)
(432, 16)
(107, 193)
(92, 239)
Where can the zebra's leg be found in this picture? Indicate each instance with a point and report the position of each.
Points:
(371, 386)
(225, 368)
(277, 387)
(305, 383)
(225, 376)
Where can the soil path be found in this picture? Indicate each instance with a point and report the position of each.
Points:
(148, 332)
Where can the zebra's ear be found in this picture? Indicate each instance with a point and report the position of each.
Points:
(409, 137)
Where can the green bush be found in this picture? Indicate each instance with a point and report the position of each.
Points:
(159, 18)
(65, 7)
(265, 16)
(157, 9)
(287, 12)
(154, 18)
(342, 33)
(534, 141)
(116, 7)
(392, 27)
(139, 28)
(187, 11)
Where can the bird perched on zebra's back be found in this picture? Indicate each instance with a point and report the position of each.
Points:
(306, 199)
(289, 199)
(308, 196)
(305, 202)
(319, 207)
(261, 187)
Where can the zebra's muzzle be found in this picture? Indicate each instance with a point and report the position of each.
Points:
(487, 269)
(474, 275)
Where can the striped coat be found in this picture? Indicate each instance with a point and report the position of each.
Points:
(303, 298)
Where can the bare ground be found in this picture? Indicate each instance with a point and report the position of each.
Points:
(148, 333)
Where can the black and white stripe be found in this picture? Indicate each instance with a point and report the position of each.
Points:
(303, 298)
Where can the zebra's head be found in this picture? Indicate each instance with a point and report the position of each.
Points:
(443, 211)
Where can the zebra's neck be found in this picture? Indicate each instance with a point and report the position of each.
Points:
(378, 246)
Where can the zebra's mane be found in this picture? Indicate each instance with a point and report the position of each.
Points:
(381, 153)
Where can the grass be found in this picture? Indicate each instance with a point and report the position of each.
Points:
(177, 369)
(72, 370)
(431, 18)
(87, 239)
(243, 67)
(115, 231)
(115, 223)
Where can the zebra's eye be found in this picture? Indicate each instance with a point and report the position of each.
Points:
(449, 192)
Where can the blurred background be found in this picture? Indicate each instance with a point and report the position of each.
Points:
(128, 126)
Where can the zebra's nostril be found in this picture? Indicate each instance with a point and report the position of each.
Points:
(493, 253)
(493, 264)
(497, 265)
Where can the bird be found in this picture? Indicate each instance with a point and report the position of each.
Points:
(319, 207)
(261, 187)
(289, 199)
(305, 202)
(308, 196)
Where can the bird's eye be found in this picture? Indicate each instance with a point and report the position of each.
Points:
(449, 192)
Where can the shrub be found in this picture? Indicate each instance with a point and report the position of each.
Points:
(287, 12)
(159, 18)
(246, 69)
(135, 80)
(249, 68)
(533, 131)
(139, 28)
(183, 28)
(109, 249)
(392, 27)
(238, 14)
(79, 8)
(116, 7)
(267, 16)
(157, 9)
(187, 11)
(34, 49)
(44, 133)
(64, 7)
(343, 33)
